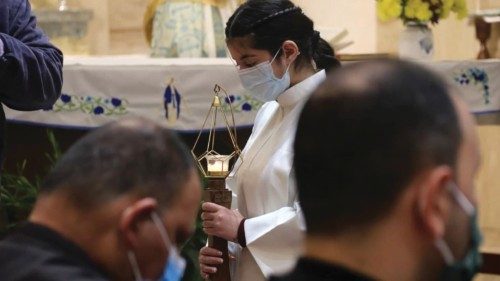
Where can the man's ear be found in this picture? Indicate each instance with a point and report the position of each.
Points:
(433, 200)
(131, 218)
(291, 51)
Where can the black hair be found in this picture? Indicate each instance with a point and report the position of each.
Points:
(131, 156)
(269, 23)
(364, 135)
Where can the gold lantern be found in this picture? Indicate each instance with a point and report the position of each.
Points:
(215, 166)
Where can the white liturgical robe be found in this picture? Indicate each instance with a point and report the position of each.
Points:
(265, 191)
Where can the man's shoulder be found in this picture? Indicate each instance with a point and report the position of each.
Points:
(24, 258)
(281, 278)
(309, 269)
(293, 276)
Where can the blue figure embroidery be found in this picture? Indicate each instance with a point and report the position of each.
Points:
(172, 97)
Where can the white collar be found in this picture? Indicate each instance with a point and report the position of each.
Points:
(301, 91)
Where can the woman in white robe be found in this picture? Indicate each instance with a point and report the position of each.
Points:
(280, 60)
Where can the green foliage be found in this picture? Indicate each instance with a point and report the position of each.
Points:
(191, 248)
(190, 251)
(18, 193)
(56, 150)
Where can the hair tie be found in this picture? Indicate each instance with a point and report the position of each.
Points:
(275, 15)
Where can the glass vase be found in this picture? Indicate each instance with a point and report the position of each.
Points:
(416, 41)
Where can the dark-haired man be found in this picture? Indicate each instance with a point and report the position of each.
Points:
(114, 208)
(385, 160)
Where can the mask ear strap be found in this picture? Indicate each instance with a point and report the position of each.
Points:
(135, 266)
(445, 251)
(461, 199)
(276, 55)
(161, 228)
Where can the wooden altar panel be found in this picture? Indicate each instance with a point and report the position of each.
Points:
(488, 186)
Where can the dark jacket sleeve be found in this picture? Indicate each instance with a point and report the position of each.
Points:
(31, 68)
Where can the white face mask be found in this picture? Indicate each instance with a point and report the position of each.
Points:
(261, 82)
(175, 264)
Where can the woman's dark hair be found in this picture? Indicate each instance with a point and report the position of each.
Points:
(269, 23)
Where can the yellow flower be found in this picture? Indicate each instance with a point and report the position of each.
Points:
(418, 10)
(460, 7)
(446, 8)
(389, 9)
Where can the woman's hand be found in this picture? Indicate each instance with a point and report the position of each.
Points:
(209, 259)
(220, 221)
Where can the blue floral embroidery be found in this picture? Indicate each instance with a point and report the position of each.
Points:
(91, 105)
(242, 103)
(116, 102)
(65, 98)
(230, 99)
(98, 110)
(478, 77)
(246, 107)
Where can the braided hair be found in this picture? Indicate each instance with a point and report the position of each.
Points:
(269, 23)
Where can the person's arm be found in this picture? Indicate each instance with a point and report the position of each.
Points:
(280, 231)
(30, 67)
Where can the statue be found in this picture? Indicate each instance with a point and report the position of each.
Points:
(188, 28)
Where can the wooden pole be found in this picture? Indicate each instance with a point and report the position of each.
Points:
(217, 193)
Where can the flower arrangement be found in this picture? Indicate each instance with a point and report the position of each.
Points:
(420, 11)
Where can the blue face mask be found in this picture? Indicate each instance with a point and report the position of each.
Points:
(175, 265)
(261, 82)
(466, 268)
